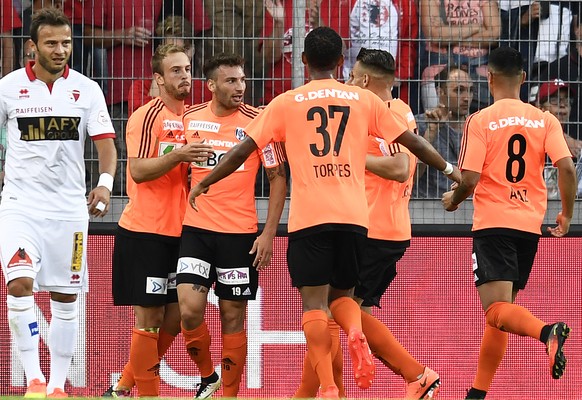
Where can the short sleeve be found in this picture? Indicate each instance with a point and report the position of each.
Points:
(268, 126)
(141, 140)
(272, 155)
(473, 146)
(385, 123)
(99, 120)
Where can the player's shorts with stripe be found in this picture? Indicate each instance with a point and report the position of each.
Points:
(326, 254)
(144, 268)
(378, 269)
(222, 259)
(51, 252)
(503, 255)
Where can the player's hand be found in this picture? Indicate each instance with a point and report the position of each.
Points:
(447, 201)
(195, 192)
(455, 175)
(263, 250)
(196, 152)
(98, 201)
(562, 228)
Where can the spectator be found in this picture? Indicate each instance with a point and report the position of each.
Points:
(569, 69)
(320, 12)
(540, 31)
(459, 33)
(236, 29)
(390, 25)
(9, 21)
(556, 98)
(127, 36)
(176, 30)
(443, 127)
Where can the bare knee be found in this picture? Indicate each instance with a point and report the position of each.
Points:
(20, 287)
(232, 315)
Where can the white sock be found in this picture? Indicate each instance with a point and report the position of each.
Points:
(24, 329)
(62, 340)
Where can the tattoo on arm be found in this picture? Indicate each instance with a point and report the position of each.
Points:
(272, 173)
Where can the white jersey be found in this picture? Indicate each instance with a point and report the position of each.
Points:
(47, 127)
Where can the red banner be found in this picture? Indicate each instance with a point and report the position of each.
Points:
(432, 308)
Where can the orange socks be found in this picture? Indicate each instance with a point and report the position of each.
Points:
(317, 335)
(309, 381)
(198, 345)
(143, 357)
(127, 381)
(493, 346)
(346, 313)
(513, 319)
(387, 348)
(234, 355)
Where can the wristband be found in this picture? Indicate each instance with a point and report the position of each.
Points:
(448, 169)
(106, 180)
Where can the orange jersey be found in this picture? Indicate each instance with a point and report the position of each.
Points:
(387, 199)
(507, 144)
(325, 125)
(229, 205)
(155, 206)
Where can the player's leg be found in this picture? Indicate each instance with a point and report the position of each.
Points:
(378, 270)
(195, 275)
(348, 248)
(21, 262)
(309, 384)
(236, 283)
(310, 262)
(141, 264)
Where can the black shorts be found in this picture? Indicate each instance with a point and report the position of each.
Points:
(222, 259)
(378, 269)
(144, 269)
(325, 257)
(503, 255)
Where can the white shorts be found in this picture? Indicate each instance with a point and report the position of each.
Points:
(52, 252)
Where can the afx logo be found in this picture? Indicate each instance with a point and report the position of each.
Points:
(49, 128)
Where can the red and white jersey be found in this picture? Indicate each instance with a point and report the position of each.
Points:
(47, 126)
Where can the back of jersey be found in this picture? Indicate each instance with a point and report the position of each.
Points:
(507, 143)
(325, 126)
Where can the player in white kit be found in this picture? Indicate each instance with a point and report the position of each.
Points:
(49, 110)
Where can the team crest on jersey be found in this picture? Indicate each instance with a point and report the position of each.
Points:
(20, 259)
(239, 133)
(74, 95)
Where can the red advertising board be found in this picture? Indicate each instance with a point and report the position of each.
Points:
(432, 307)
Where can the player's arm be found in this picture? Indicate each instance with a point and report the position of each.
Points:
(453, 198)
(567, 186)
(426, 153)
(396, 167)
(229, 163)
(107, 154)
(148, 169)
(263, 245)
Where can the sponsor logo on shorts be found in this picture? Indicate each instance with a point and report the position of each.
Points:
(191, 265)
(172, 280)
(77, 261)
(233, 276)
(20, 259)
(33, 326)
(247, 292)
(156, 285)
(475, 267)
(75, 278)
